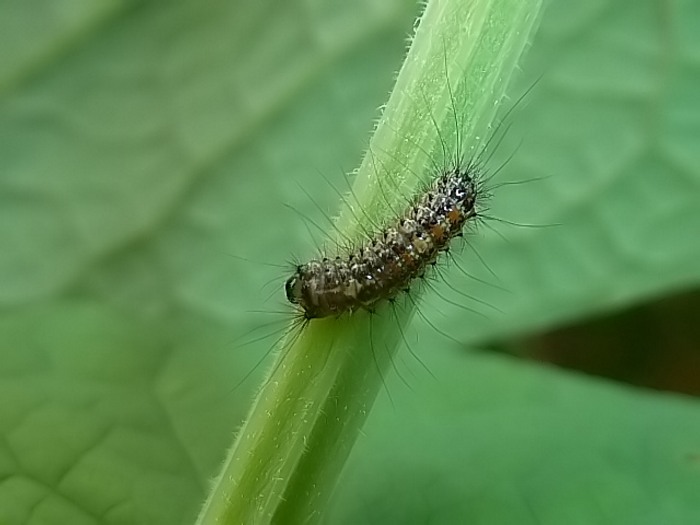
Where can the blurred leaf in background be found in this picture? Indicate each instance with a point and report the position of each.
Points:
(141, 143)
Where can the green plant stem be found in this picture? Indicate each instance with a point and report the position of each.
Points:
(287, 457)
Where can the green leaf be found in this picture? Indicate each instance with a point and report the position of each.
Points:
(498, 441)
(142, 142)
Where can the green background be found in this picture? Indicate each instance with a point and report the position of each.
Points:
(142, 144)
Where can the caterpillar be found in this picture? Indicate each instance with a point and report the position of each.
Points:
(387, 264)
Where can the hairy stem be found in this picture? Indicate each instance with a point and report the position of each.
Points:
(287, 457)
